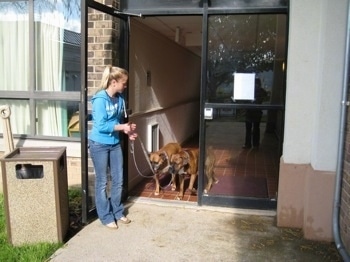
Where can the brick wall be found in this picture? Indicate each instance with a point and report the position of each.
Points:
(103, 31)
(103, 43)
(74, 171)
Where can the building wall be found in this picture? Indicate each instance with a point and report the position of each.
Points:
(317, 32)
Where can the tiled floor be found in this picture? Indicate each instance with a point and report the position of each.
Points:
(241, 172)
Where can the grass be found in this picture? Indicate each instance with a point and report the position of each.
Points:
(41, 251)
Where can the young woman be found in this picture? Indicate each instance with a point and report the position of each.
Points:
(108, 113)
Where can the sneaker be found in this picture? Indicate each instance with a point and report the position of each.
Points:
(112, 225)
(124, 220)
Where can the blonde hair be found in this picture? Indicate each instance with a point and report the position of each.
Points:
(111, 73)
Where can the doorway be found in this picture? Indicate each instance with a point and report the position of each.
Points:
(244, 104)
(234, 38)
(248, 44)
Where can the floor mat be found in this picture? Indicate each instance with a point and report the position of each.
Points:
(240, 186)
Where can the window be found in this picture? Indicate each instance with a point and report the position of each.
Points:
(247, 43)
(40, 75)
(153, 137)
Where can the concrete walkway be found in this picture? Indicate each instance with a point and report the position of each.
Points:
(174, 231)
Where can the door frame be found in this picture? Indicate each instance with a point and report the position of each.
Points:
(207, 8)
(218, 200)
(84, 116)
(159, 8)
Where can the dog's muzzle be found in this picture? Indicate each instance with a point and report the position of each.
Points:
(171, 169)
(155, 167)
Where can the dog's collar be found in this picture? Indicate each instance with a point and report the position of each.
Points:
(165, 169)
(182, 171)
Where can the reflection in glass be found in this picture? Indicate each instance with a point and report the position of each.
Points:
(57, 34)
(20, 119)
(56, 45)
(240, 44)
(246, 54)
(14, 48)
(54, 118)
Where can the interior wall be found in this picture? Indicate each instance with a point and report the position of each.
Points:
(174, 71)
(164, 89)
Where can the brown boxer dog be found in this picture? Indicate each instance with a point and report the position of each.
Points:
(209, 169)
(160, 162)
(185, 162)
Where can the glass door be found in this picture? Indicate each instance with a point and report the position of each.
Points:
(244, 109)
(105, 41)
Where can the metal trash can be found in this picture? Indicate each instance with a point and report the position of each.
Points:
(36, 194)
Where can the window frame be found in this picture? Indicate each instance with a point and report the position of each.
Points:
(32, 95)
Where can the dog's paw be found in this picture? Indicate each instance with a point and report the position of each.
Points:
(193, 191)
(178, 198)
(156, 193)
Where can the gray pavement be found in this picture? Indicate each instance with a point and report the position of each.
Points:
(178, 231)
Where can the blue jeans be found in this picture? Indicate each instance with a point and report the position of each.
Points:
(252, 134)
(108, 158)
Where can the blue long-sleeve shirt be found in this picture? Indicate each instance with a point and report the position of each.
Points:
(106, 113)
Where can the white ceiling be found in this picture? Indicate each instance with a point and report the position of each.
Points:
(185, 30)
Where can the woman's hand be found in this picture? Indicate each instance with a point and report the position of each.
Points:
(129, 129)
(132, 136)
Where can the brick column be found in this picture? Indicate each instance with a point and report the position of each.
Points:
(103, 39)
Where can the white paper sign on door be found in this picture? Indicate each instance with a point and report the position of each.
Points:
(208, 113)
(243, 86)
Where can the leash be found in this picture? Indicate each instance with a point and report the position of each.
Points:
(132, 151)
